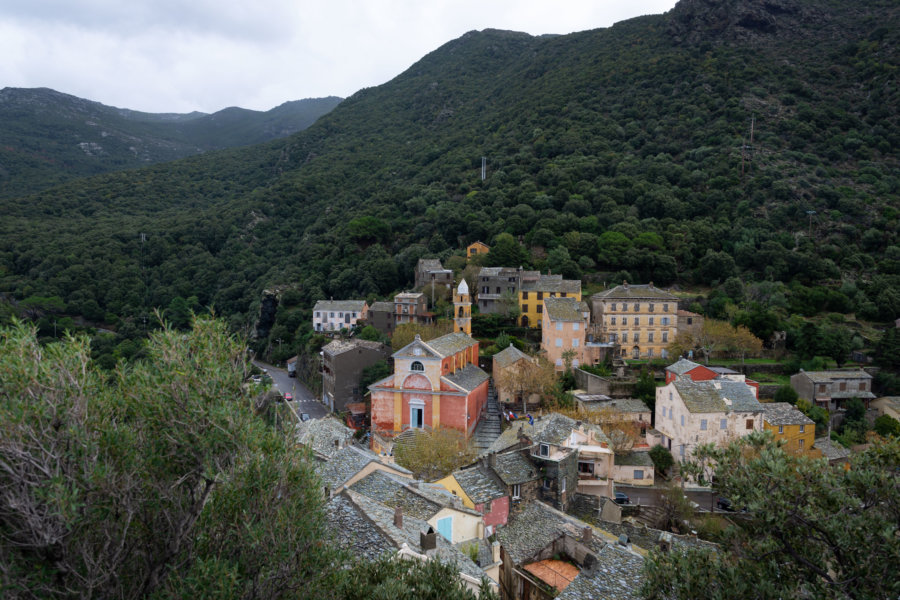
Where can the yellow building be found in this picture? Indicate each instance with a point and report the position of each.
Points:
(642, 319)
(533, 293)
(788, 424)
(476, 248)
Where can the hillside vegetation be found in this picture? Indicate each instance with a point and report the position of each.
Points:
(620, 153)
(47, 137)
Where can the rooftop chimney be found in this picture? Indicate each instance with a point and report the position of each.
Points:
(398, 517)
(587, 535)
(492, 460)
(495, 551)
(623, 540)
(428, 539)
(624, 284)
(651, 284)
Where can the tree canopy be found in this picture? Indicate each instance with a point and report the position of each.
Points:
(810, 530)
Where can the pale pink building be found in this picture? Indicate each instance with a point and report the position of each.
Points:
(564, 322)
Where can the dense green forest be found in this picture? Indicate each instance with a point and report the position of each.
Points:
(47, 137)
(747, 143)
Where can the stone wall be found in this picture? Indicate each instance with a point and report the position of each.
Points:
(608, 386)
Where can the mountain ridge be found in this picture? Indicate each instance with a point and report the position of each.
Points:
(619, 153)
(47, 137)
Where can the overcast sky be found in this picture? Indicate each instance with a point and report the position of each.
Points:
(185, 55)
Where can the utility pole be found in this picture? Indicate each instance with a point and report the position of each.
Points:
(483, 167)
(810, 213)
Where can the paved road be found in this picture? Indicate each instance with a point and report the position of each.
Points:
(651, 496)
(304, 401)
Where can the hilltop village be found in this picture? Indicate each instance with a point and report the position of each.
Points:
(548, 466)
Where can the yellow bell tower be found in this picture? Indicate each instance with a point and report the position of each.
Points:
(462, 309)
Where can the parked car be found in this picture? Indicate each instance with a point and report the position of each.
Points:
(288, 396)
(724, 504)
(256, 379)
(304, 417)
(621, 498)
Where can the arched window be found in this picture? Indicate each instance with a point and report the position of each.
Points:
(417, 366)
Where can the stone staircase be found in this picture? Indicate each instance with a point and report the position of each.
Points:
(489, 428)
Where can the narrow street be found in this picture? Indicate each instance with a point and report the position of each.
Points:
(304, 401)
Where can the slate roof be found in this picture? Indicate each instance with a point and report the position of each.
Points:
(636, 292)
(450, 344)
(431, 264)
(830, 449)
(340, 305)
(553, 283)
(783, 413)
(515, 468)
(346, 463)
(553, 429)
(682, 366)
(632, 459)
(829, 376)
(478, 485)
(597, 402)
(534, 527)
(709, 396)
(617, 574)
(382, 307)
(337, 347)
(393, 492)
(320, 435)
(468, 378)
(367, 529)
(723, 370)
(508, 356)
(563, 309)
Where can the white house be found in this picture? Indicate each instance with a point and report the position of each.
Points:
(690, 413)
(334, 315)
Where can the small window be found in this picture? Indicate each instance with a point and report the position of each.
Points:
(682, 420)
(524, 295)
(665, 321)
(563, 489)
(749, 423)
(416, 366)
(803, 429)
(650, 321)
(723, 424)
(651, 307)
(665, 337)
(650, 351)
(681, 451)
(544, 450)
(524, 308)
(331, 315)
(540, 295)
(670, 396)
(612, 320)
(612, 307)
(546, 483)
(318, 315)
(665, 308)
(638, 473)
(624, 320)
(559, 326)
(636, 337)
(574, 343)
(843, 386)
(540, 309)
(516, 491)
(702, 424)
(559, 362)
(801, 443)
(650, 336)
(862, 386)
(575, 326)
(637, 307)
(781, 429)
(559, 342)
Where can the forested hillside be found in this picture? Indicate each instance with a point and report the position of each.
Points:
(47, 137)
(743, 139)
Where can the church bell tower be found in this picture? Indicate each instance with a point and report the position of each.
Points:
(462, 309)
